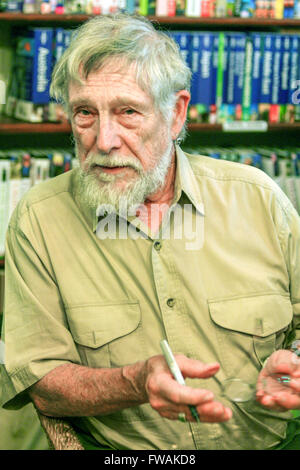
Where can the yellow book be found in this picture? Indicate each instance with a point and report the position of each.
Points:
(279, 4)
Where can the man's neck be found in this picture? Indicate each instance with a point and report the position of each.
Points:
(152, 211)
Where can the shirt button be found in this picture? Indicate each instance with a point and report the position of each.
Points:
(157, 246)
(171, 302)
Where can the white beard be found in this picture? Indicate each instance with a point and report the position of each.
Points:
(101, 189)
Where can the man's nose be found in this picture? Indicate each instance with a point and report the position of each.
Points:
(108, 136)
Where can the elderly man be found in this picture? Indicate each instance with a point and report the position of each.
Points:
(143, 242)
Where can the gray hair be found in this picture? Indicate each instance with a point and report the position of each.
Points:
(160, 69)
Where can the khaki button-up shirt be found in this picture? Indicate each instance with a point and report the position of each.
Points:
(226, 290)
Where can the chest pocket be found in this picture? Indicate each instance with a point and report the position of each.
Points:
(249, 329)
(107, 335)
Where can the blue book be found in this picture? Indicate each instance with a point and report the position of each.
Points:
(58, 44)
(34, 49)
(285, 63)
(229, 91)
(239, 64)
(201, 65)
(214, 70)
(266, 80)
(183, 39)
(294, 68)
(276, 69)
(256, 77)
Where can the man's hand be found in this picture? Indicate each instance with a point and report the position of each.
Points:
(278, 385)
(169, 398)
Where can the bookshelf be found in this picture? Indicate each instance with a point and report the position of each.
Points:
(240, 23)
(59, 133)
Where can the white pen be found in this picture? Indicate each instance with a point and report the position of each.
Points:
(174, 368)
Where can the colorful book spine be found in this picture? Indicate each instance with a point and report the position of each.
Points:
(239, 64)
(35, 48)
(285, 72)
(229, 92)
(220, 74)
(214, 73)
(183, 39)
(256, 77)
(274, 113)
(294, 86)
(193, 8)
(266, 81)
(165, 8)
(246, 100)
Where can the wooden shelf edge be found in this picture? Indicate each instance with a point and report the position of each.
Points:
(10, 126)
(180, 20)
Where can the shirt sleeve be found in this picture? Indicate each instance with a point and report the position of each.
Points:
(289, 235)
(35, 330)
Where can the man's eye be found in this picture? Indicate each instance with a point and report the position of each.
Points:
(129, 112)
(84, 112)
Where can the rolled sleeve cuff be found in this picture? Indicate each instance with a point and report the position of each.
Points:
(13, 386)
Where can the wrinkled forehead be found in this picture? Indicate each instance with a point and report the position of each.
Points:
(117, 68)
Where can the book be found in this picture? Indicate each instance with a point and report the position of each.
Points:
(247, 93)
(285, 63)
(294, 81)
(256, 74)
(266, 80)
(279, 5)
(201, 56)
(239, 65)
(165, 8)
(6, 64)
(221, 8)
(193, 8)
(274, 112)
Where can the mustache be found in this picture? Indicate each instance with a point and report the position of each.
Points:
(112, 162)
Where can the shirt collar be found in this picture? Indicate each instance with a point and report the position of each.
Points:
(186, 181)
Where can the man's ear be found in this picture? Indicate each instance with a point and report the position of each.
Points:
(180, 112)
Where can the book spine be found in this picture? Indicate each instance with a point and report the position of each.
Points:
(42, 65)
(284, 77)
(143, 10)
(279, 5)
(183, 40)
(239, 65)
(221, 8)
(214, 72)
(257, 40)
(220, 73)
(266, 82)
(193, 8)
(58, 45)
(231, 68)
(294, 71)
(205, 73)
(246, 99)
(223, 108)
(274, 114)
(195, 61)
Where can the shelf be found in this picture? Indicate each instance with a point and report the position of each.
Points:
(13, 126)
(164, 20)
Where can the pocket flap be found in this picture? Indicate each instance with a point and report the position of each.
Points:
(96, 325)
(259, 315)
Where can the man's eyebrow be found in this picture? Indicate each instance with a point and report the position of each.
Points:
(80, 102)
